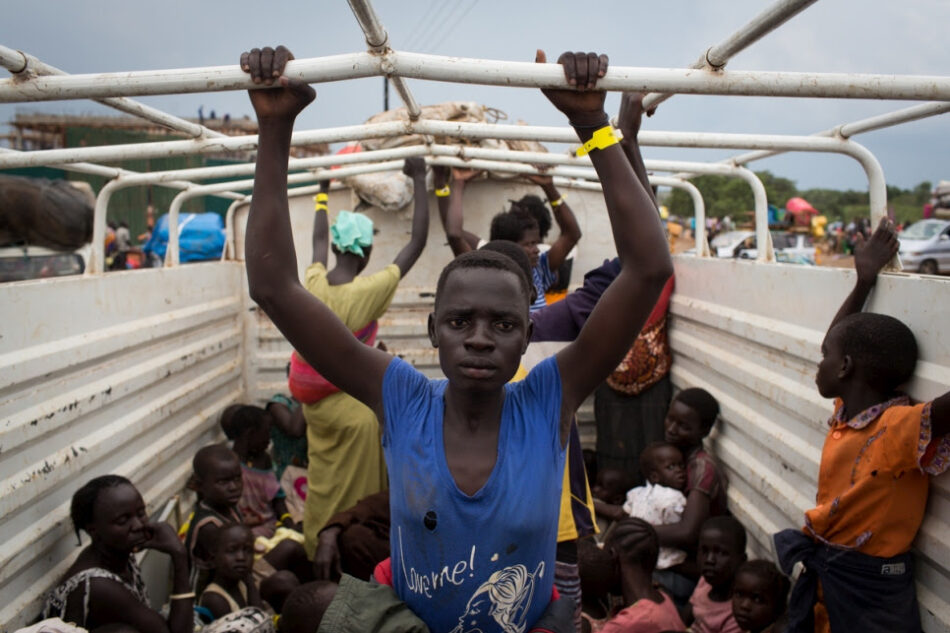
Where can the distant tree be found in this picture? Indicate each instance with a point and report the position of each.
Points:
(731, 196)
(777, 189)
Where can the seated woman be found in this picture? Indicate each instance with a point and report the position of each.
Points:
(104, 587)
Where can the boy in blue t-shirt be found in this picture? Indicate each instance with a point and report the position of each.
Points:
(475, 464)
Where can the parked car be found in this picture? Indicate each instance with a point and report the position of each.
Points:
(925, 246)
(19, 263)
(729, 243)
(791, 247)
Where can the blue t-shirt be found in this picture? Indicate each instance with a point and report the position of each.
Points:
(543, 278)
(484, 562)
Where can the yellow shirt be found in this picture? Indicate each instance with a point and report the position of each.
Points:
(567, 525)
(343, 446)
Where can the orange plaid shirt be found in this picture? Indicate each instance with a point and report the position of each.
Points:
(874, 477)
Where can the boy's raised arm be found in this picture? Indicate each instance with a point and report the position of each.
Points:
(628, 122)
(460, 240)
(569, 230)
(645, 260)
(310, 326)
(415, 168)
(869, 259)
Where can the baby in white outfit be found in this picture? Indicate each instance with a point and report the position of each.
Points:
(661, 500)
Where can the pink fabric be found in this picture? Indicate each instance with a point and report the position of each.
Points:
(646, 616)
(711, 616)
(256, 504)
(307, 385)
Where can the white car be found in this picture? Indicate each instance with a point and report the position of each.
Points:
(19, 263)
(790, 248)
(925, 246)
(729, 244)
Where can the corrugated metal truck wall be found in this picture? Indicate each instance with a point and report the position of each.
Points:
(750, 334)
(122, 373)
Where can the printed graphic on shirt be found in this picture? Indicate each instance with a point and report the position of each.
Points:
(506, 596)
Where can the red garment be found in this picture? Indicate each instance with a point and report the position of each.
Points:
(646, 616)
(649, 358)
(307, 385)
(257, 500)
(711, 616)
(703, 474)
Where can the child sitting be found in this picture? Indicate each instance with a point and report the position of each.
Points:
(600, 584)
(232, 587)
(721, 550)
(651, 610)
(690, 418)
(218, 482)
(878, 457)
(468, 454)
(262, 503)
(609, 490)
(659, 501)
(226, 421)
(759, 597)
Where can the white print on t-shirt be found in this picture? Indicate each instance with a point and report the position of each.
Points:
(426, 582)
(507, 596)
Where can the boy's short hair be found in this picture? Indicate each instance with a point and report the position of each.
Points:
(730, 526)
(511, 225)
(702, 402)
(84, 500)
(227, 420)
(881, 346)
(484, 259)
(305, 606)
(648, 457)
(205, 454)
(538, 210)
(517, 254)
(776, 581)
(209, 537)
(512, 250)
(643, 551)
(247, 418)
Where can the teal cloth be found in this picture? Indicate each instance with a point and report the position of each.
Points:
(286, 450)
(352, 232)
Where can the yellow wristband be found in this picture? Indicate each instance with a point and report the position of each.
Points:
(285, 515)
(602, 138)
(444, 192)
(182, 596)
(558, 202)
(321, 197)
(317, 208)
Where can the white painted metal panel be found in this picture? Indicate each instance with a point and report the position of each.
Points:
(122, 373)
(750, 333)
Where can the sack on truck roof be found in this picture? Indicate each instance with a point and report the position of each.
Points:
(50, 213)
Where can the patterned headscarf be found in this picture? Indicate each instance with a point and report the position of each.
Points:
(352, 232)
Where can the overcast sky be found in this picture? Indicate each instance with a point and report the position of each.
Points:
(871, 36)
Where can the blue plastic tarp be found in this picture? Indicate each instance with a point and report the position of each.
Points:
(200, 237)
